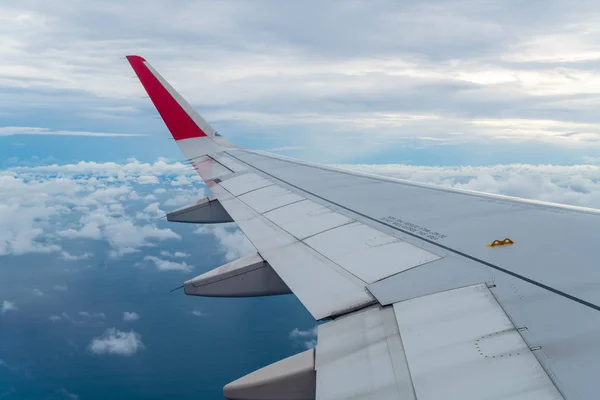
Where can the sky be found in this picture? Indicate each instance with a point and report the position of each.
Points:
(498, 97)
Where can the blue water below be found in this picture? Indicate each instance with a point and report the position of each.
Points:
(185, 356)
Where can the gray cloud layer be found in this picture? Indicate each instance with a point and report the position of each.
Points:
(433, 72)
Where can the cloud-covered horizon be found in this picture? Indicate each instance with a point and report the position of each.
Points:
(26, 130)
(119, 204)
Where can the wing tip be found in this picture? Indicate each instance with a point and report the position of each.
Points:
(174, 111)
(133, 57)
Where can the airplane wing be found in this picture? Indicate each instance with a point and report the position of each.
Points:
(422, 292)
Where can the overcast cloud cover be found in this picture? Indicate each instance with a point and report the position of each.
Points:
(499, 97)
(367, 77)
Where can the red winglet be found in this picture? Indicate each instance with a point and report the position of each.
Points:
(178, 121)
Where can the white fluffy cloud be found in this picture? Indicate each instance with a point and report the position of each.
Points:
(232, 242)
(147, 180)
(154, 210)
(177, 254)
(183, 199)
(8, 306)
(114, 341)
(38, 292)
(307, 338)
(74, 257)
(100, 193)
(167, 265)
(197, 313)
(87, 231)
(26, 205)
(130, 316)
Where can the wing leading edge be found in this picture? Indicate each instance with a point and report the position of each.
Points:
(387, 263)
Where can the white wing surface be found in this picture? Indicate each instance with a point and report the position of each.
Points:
(422, 292)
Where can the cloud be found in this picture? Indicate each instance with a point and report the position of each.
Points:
(307, 338)
(365, 71)
(129, 171)
(114, 341)
(120, 230)
(87, 231)
(68, 318)
(285, 148)
(154, 210)
(100, 193)
(38, 292)
(166, 265)
(121, 252)
(60, 288)
(74, 257)
(232, 242)
(54, 318)
(147, 180)
(8, 306)
(197, 313)
(181, 180)
(26, 130)
(130, 316)
(177, 254)
(25, 207)
(183, 199)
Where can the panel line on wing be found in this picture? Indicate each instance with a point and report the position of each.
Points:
(398, 181)
(323, 287)
(220, 163)
(479, 355)
(496, 267)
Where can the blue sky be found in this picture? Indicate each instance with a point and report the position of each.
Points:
(497, 97)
